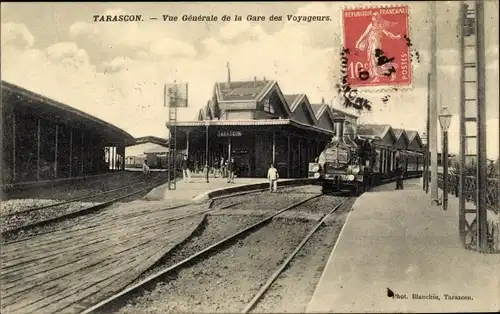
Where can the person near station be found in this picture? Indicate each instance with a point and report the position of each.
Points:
(145, 170)
(273, 176)
(223, 167)
(186, 173)
(231, 167)
(399, 176)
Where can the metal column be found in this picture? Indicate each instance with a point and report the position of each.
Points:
(426, 156)
(38, 151)
(83, 159)
(206, 152)
(187, 143)
(274, 148)
(172, 139)
(13, 146)
(288, 162)
(70, 152)
(56, 148)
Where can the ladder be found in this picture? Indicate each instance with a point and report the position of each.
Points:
(472, 218)
(172, 141)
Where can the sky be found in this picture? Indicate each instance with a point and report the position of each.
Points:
(116, 71)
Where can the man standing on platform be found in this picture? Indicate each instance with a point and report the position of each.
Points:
(273, 176)
(145, 170)
(186, 173)
(399, 176)
(231, 167)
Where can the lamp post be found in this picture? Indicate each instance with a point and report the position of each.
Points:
(444, 121)
(206, 149)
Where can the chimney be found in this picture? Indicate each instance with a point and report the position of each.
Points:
(228, 75)
(322, 100)
(338, 128)
(264, 78)
(255, 81)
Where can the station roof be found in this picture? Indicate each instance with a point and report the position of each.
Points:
(157, 150)
(33, 103)
(250, 123)
(151, 139)
(377, 130)
(242, 90)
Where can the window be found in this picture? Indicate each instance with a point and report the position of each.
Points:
(268, 107)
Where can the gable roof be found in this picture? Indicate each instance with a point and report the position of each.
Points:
(378, 130)
(401, 133)
(412, 135)
(241, 91)
(275, 87)
(316, 108)
(293, 100)
(344, 113)
(298, 100)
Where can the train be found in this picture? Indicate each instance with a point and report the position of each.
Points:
(353, 163)
(155, 161)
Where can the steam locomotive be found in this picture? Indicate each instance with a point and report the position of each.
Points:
(347, 162)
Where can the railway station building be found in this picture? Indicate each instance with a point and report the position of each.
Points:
(256, 124)
(46, 141)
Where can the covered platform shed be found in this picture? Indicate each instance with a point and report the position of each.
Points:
(44, 140)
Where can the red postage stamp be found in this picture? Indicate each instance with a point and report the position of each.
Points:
(377, 42)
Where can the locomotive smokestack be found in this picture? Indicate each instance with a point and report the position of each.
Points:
(338, 125)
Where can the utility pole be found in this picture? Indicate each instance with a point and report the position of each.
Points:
(433, 145)
(427, 125)
(481, 176)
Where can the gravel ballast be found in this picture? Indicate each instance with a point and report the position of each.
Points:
(293, 289)
(226, 281)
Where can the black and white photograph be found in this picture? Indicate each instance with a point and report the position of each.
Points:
(250, 157)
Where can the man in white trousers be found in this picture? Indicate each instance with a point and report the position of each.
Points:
(273, 176)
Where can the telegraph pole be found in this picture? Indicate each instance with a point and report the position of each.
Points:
(433, 145)
(481, 176)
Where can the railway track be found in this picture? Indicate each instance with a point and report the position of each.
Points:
(8, 233)
(260, 294)
(115, 300)
(11, 225)
(78, 199)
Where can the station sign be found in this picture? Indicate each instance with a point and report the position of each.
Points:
(229, 134)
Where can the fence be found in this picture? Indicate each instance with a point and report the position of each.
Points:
(492, 192)
(470, 194)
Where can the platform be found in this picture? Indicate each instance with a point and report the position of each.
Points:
(397, 240)
(72, 268)
(200, 190)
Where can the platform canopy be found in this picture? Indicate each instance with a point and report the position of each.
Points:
(151, 139)
(30, 103)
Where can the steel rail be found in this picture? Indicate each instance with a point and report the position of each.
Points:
(192, 257)
(8, 233)
(166, 208)
(282, 267)
(32, 209)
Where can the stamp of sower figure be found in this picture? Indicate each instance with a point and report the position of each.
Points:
(379, 54)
